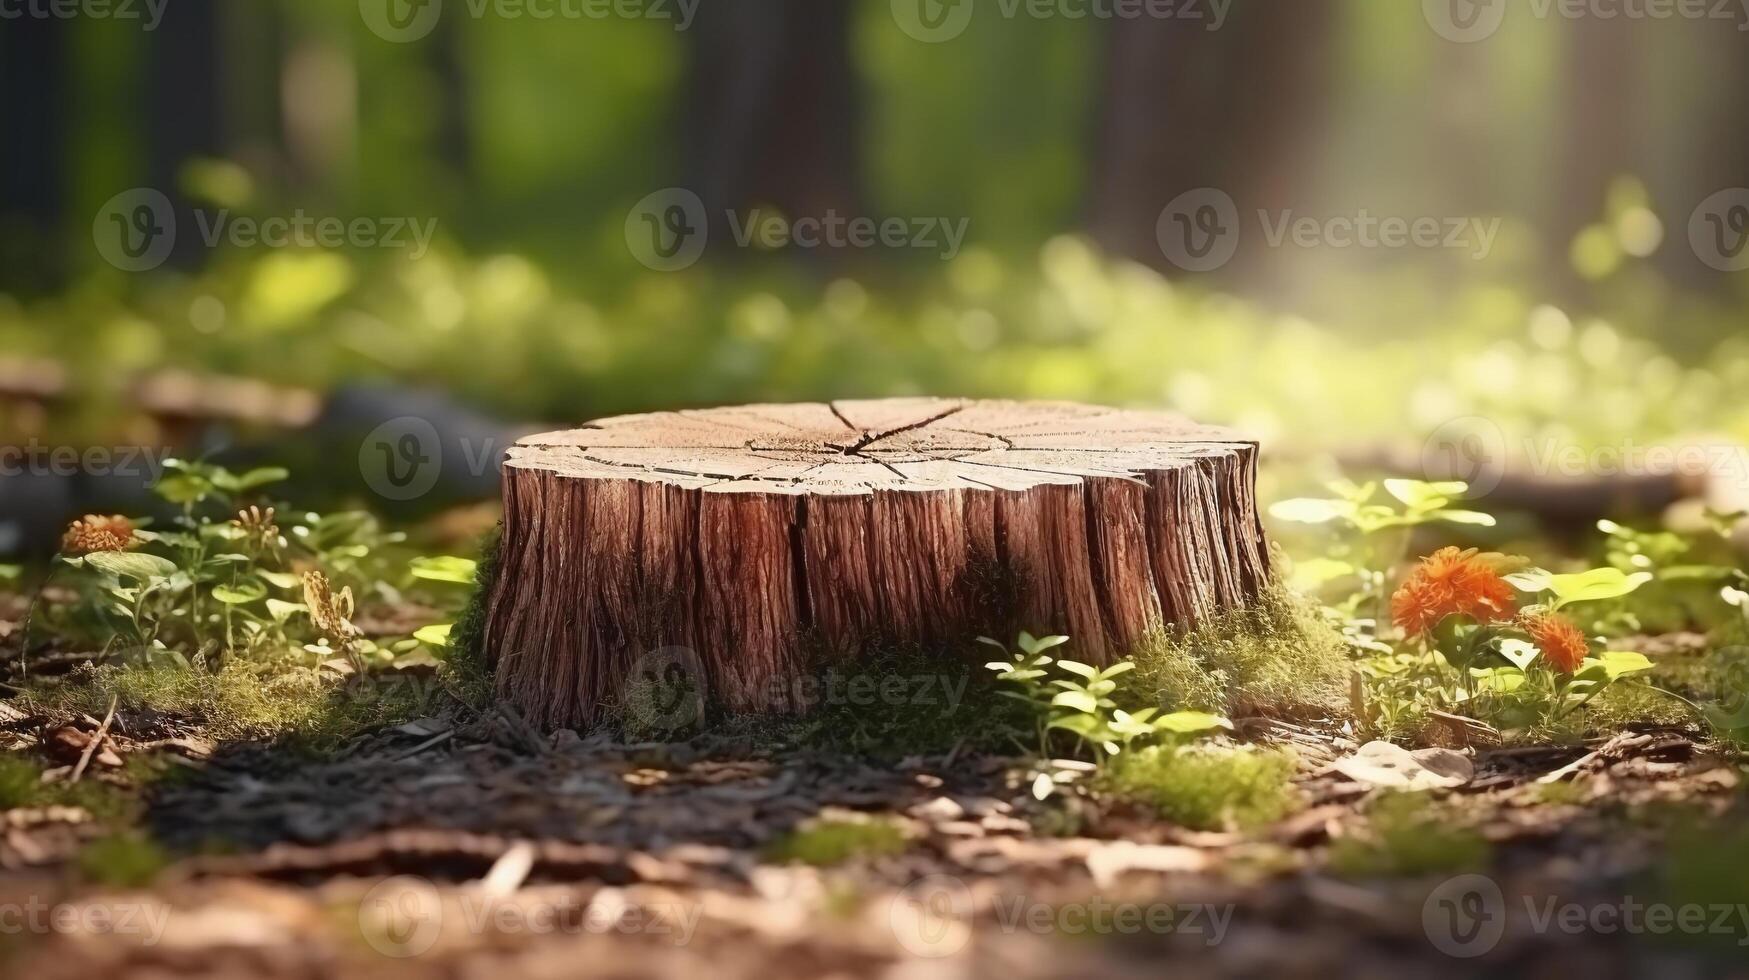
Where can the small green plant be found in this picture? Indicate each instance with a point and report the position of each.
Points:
(829, 842)
(1083, 703)
(266, 589)
(1690, 569)
(1370, 538)
(1472, 645)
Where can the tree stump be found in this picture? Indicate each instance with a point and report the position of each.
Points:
(772, 539)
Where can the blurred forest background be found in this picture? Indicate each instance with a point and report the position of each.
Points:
(1059, 141)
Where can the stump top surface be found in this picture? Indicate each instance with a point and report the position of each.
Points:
(858, 447)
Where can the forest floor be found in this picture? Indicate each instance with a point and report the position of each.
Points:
(465, 845)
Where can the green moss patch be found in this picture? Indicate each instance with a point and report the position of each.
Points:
(1277, 657)
(1206, 788)
(835, 841)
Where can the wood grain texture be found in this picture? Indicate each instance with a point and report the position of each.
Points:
(771, 538)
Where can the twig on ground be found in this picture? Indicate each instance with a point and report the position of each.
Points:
(422, 746)
(95, 743)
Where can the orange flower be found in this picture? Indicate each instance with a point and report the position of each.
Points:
(1563, 645)
(92, 533)
(1451, 582)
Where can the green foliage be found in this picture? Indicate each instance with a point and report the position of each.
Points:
(1206, 788)
(830, 842)
(210, 617)
(247, 700)
(1279, 656)
(22, 785)
(1565, 793)
(1692, 570)
(190, 484)
(1083, 703)
(1061, 321)
(1406, 835)
(458, 571)
(465, 661)
(123, 860)
(1493, 671)
(212, 588)
(1368, 538)
(1353, 508)
(1590, 586)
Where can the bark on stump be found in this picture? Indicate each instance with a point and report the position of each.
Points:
(771, 539)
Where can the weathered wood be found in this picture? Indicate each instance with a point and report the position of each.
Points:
(769, 538)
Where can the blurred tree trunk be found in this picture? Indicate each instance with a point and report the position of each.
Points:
(1719, 153)
(185, 111)
(1598, 115)
(1466, 137)
(35, 67)
(255, 40)
(1186, 107)
(454, 136)
(772, 113)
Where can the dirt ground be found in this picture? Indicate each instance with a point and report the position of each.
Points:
(481, 849)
